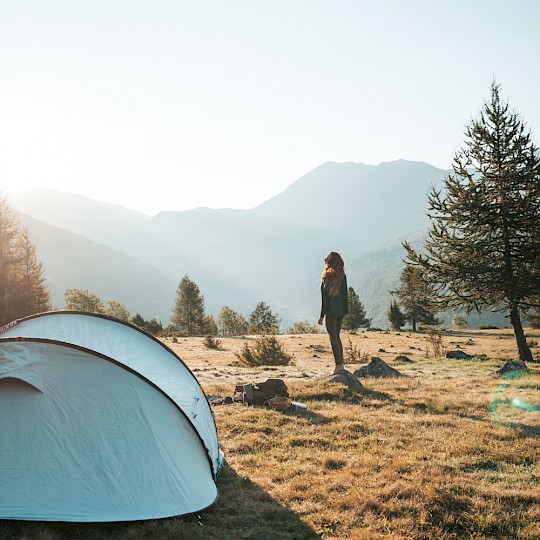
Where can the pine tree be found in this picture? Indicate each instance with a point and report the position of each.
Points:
(483, 248)
(33, 294)
(262, 320)
(356, 318)
(416, 297)
(189, 308)
(395, 316)
(23, 290)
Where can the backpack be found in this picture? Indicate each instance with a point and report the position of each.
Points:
(260, 393)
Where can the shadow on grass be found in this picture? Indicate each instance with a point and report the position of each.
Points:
(335, 391)
(243, 512)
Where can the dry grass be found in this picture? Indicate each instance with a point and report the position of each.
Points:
(446, 452)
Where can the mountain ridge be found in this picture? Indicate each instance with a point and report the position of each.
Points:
(273, 252)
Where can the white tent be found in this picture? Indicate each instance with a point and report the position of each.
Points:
(100, 422)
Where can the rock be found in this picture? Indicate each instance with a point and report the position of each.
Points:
(404, 359)
(377, 368)
(346, 377)
(513, 366)
(459, 355)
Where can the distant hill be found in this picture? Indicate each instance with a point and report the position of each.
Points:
(70, 260)
(273, 252)
(96, 220)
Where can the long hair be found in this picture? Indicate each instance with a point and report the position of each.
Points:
(333, 273)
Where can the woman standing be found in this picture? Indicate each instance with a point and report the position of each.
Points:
(335, 303)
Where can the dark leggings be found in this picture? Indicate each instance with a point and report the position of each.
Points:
(333, 327)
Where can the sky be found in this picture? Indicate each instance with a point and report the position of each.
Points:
(174, 104)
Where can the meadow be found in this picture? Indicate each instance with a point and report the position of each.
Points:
(449, 450)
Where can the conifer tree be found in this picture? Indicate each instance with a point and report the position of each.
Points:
(483, 248)
(416, 297)
(33, 294)
(356, 318)
(23, 290)
(395, 316)
(262, 320)
(189, 308)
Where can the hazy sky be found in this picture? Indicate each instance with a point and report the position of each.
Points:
(172, 104)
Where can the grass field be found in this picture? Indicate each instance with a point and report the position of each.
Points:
(448, 451)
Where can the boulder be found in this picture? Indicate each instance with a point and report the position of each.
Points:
(403, 359)
(346, 377)
(512, 366)
(377, 368)
(459, 355)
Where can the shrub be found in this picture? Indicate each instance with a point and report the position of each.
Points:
(487, 327)
(266, 351)
(435, 345)
(353, 354)
(303, 327)
(210, 342)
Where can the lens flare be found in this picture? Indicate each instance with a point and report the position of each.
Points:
(516, 402)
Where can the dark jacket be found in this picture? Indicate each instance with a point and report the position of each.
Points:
(335, 306)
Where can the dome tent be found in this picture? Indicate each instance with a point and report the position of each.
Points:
(100, 422)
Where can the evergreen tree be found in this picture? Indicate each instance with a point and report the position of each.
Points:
(395, 316)
(483, 248)
(356, 318)
(22, 282)
(153, 326)
(33, 294)
(83, 300)
(189, 308)
(416, 297)
(209, 326)
(231, 323)
(138, 321)
(263, 321)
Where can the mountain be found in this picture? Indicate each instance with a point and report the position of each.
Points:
(273, 252)
(76, 213)
(72, 261)
(358, 206)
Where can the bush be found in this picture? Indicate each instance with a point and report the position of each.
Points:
(303, 327)
(211, 342)
(353, 354)
(435, 345)
(487, 327)
(266, 351)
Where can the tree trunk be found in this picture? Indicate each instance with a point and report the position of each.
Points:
(523, 348)
(414, 323)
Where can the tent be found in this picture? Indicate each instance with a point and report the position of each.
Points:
(100, 421)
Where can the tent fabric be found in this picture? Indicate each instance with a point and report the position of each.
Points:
(88, 436)
(138, 351)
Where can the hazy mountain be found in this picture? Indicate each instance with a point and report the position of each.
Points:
(99, 221)
(70, 260)
(273, 252)
(358, 206)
